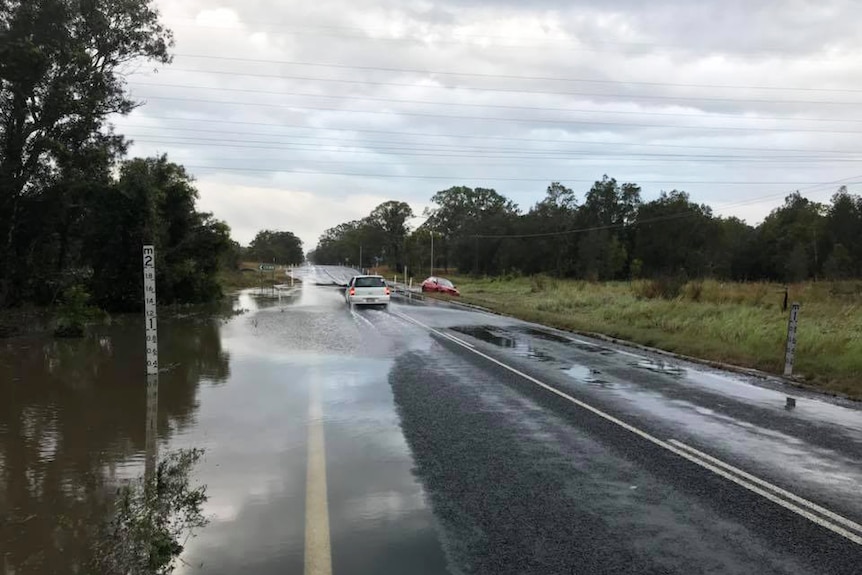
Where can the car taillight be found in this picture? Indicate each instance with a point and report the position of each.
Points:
(352, 291)
(386, 290)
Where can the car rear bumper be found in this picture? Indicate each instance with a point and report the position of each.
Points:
(368, 300)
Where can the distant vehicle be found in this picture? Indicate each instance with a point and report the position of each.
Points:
(439, 285)
(367, 290)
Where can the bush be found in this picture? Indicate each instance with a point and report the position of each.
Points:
(666, 287)
(694, 290)
(74, 313)
(541, 282)
(153, 518)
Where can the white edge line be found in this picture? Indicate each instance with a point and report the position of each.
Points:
(665, 445)
(457, 340)
(811, 505)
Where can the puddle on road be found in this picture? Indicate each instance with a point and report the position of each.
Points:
(546, 335)
(539, 355)
(486, 334)
(585, 374)
(665, 367)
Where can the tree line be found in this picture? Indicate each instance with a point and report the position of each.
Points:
(612, 234)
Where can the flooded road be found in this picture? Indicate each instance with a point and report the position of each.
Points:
(419, 441)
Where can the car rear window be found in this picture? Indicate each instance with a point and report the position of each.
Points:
(369, 282)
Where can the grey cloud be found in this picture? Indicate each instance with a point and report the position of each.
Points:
(670, 44)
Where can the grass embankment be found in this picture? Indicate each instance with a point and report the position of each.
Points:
(736, 323)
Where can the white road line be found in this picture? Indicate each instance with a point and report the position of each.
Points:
(457, 340)
(811, 505)
(318, 551)
(360, 318)
(706, 464)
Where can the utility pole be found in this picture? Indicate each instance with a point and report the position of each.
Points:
(360, 258)
(432, 253)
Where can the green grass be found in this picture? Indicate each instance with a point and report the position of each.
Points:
(249, 276)
(736, 323)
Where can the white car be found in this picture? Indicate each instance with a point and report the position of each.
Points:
(367, 290)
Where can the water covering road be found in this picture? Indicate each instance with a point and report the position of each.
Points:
(421, 440)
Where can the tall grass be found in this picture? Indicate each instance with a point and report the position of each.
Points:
(739, 323)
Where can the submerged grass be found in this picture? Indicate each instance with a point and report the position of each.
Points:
(738, 323)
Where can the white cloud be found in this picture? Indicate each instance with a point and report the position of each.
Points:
(249, 209)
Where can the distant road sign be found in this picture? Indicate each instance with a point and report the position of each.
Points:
(267, 267)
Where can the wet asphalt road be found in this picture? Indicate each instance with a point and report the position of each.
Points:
(439, 459)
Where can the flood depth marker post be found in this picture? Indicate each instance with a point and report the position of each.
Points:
(790, 353)
(150, 322)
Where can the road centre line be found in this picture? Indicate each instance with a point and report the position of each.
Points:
(707, 462)
(457, 340)
(360, 318)
(318, 551)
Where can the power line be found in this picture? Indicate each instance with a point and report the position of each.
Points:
(371, 144)
(503, 119)
(500, 90)
(605, 81)
(330, 31)
(492, 178)
(474, 153)
(705, 116)
(337, 32)
(174, 119)
(497, 76)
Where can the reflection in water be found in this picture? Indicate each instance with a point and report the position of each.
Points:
(487, 334)
(152, 446)
(152, 519)
(72, 416)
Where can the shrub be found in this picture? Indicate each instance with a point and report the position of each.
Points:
(153, 518)
(666, 287)
(541, 282)
(694, 290)
(74, 313)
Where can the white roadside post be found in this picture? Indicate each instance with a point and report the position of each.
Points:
(790, 353)
(150, 322)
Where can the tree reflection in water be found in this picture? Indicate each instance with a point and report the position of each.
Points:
(72, 428)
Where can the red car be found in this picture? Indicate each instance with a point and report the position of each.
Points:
(439, 285)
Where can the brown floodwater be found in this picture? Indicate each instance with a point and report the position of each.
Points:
(73, 426)
(77, 421)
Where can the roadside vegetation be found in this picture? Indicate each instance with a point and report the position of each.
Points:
(617, 265)
(246, 275)
(742, 324)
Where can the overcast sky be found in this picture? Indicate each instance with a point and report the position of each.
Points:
(299, 115)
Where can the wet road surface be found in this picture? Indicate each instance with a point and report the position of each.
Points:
(431, 439)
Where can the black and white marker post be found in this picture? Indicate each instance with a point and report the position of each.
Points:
(150, 321)
(790, 350)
